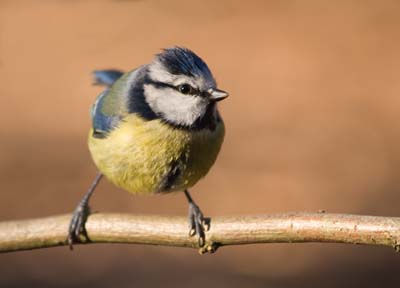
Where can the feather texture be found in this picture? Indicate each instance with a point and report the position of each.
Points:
(140, 155)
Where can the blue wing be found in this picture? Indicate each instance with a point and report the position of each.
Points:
(104, 122)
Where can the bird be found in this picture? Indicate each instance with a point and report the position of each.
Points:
(155, 129)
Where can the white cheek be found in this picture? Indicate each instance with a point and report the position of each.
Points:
(174, 106)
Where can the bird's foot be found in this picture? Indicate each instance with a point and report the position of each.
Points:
(211, 247)
(77, 225)
(197, 223)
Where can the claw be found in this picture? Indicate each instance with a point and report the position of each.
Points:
(80, 215)
(77, 225)
(202, 241)
(196, 223)
(206, 224)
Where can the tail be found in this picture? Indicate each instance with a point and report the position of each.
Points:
(106, 77)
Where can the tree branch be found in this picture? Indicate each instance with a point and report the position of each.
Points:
(173, 231)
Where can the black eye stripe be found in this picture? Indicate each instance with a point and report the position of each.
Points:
(158, 84)
(139, 105)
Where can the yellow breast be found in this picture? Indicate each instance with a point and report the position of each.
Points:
(150, 156)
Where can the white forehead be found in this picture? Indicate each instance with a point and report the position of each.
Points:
(159, 73)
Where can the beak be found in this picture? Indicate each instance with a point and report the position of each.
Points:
(217, 95)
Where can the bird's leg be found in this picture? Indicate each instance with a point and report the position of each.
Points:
(197, 222)
(80, 215)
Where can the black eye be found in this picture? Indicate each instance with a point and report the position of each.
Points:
(186, 89)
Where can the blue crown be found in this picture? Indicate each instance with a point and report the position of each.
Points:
(182, 61)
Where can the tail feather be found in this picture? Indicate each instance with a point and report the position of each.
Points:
(106, 77)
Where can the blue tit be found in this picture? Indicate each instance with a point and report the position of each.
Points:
(155, 129)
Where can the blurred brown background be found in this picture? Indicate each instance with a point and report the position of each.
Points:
(312, 123)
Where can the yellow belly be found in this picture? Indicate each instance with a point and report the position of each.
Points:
(137, 155)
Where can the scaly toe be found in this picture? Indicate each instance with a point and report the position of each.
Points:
(77, 226)
(196, 224)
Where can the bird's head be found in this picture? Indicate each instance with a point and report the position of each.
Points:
(181, 89)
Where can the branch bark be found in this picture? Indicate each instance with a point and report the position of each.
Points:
(173, 231)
